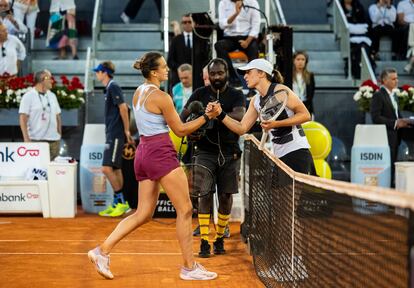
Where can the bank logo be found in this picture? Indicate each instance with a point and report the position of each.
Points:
(23, 151)
(8, 155)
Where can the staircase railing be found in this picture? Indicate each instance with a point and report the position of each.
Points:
(341, 31)
(165, 20)
(278, 11)
(88, 78)
(96, 24)
(366, 69)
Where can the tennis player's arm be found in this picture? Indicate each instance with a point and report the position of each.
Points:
(237, 113)
(301, 113)
(173, 120)
(241, 127)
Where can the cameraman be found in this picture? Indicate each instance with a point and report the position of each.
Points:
(13, 25)
(218, 149)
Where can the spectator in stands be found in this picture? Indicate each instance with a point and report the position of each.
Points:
(358, 28)
(303, 81)
(13, 24)
(405, 14)
(180, 51)
(187, 48)
(383, 15)
(116, 130)
(219, 151)
(39, 111)
(132, 8)
(384, 110)
(12, 52)
(27, 9)
(69, 36)
(183, 89)
(241, 27)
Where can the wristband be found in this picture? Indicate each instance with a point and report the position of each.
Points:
(206, 117)
(221, 116)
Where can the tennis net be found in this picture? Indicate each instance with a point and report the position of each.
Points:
(305, 231)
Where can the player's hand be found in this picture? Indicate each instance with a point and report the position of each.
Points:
(213, 109)
(268, 124)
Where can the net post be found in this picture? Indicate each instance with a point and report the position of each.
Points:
(410, 238)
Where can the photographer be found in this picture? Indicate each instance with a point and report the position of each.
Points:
(217, 148)
(13, 25)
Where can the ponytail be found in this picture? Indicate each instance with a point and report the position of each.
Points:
(276, 77)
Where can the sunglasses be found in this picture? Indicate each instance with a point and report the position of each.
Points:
(185, 22)
(3, 51)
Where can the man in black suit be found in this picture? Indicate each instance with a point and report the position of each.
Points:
(188, 48)
(384, 110)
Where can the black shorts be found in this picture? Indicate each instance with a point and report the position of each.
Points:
(227, 175)
(112, 156)
(300, 161)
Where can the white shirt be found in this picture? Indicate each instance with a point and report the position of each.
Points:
(41, 111)
(186, 34)
(382, 16)
(62, 5)
(299, 87)
(247, 23)
(407, 8)
(11, 51)
(298, 141)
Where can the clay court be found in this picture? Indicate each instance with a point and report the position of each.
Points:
(37, 252)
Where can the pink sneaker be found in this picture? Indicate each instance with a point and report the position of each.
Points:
(101, 262)
(197, 273)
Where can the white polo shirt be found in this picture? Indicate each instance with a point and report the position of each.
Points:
(11, 51)
(406, 7)
(41, 111)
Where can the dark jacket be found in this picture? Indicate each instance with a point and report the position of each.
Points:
(382, 112)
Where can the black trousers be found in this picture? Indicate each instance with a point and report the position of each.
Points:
(380, 31)
(229, 44)
(402, 35)
(133, 6)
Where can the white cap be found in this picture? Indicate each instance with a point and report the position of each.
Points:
(259, 64)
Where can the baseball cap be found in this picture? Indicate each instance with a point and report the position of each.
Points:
(259, 64)
(102, 68)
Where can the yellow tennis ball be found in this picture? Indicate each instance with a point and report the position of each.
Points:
(322, 168)
(319, 139)
(179, 147)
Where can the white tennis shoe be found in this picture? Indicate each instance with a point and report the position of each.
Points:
(197, 273)
(101, 262)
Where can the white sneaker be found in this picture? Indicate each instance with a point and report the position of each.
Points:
(197, 273)
(125, 18)
(101, 262)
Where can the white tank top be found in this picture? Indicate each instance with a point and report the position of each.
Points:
(284, 139)
(148, 124)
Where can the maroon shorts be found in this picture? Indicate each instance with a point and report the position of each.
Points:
(155, 157)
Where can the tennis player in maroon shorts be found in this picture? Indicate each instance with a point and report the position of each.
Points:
(156, 163)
